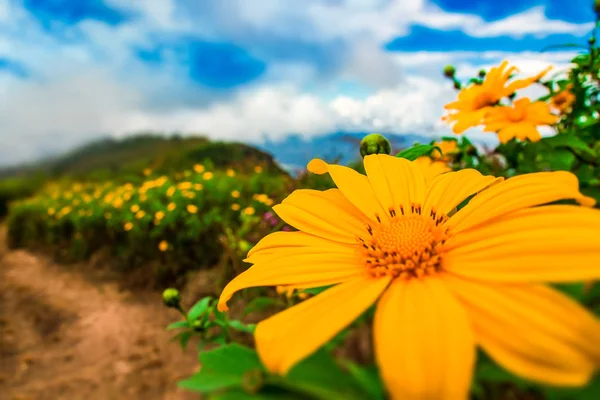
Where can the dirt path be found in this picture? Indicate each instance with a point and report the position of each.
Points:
(63, 336)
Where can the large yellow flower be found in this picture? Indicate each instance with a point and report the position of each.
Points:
(519, 121)
(442, 284)
(475, 101)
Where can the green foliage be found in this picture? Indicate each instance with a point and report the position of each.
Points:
(419, 150)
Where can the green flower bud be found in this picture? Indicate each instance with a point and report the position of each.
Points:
(244, 246)
(597, 6)
(374, 144)
(457, 85)
(592, 41)
(449, 71)
(197, 326)
(253, 381)
(482, 73)
(171, 297)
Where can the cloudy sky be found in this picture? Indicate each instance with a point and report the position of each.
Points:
(72, 70)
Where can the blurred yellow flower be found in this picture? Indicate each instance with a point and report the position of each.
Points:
(448, 147)
(163, 245)
(127, 196)
(248, 211)
(147, 171)
(198, 186)
(199, 168)
(563, 100)
(475, 101)
(107, 215)
(184, 185)
(235, 207)
(128, 226)
(258, 169)
(140, 214)
(207, 176)
(192, 209)
(118, 203)
(171, 191)
(519, 121)
(230, 172)
(51, 211)
(171, 206)
(135, 208)
(442, 286)
(159, 215)
(235, 194)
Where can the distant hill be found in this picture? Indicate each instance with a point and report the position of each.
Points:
(294, 152)
(119, 158)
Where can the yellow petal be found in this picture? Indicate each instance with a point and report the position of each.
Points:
(277, 241)
(327, 214)
(517, 193)
(532, 330)
(423, 341)
(354, 186)
(308, 270)
(448, 190)
(558, 243)
(396, 181)
(290, 336)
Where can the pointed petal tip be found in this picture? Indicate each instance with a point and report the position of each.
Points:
(317, 166)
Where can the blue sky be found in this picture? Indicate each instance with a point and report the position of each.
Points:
(72, 70)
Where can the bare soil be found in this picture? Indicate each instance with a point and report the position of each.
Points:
(66, 336)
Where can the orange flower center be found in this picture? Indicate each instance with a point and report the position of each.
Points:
(407, 246)
(516, 114)
(484, 99)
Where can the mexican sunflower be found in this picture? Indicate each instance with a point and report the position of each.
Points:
(519, 121)
(563, 100)
(448, 148)
(442, 285)
(475, 101)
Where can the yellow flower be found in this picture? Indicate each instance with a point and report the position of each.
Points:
(51, 211)
(171, 206)
(442, 285)
(192, 209)
(147, 171)
(163, 245)
(159, 215)
(235, 194)
(171, 191)
(448, 147)
(135, 208)
(563, 100)
(235, 207)
(128, 226)
(198, 186)
(258, 169)
(431, 168)
(184, 185)
(199, 168)
(519, 121)
(230, 172)
(207, 176)
(140, 214)
(127, 196)
(248, 211)
(475, 101)
(118, 203)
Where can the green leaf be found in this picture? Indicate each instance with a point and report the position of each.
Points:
(573, 290)
(569, 141)
(232, 358)
(320, 374)
(590, 391)
(239, 326)
(417, 151)
(177, 325)
(222, 368)
(183, 337)
(562, 159)
(260, 303)
(199, 308)
(369, 380)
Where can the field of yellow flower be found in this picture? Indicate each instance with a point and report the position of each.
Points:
(468, 272)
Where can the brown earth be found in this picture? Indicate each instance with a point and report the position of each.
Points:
(66, 336)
